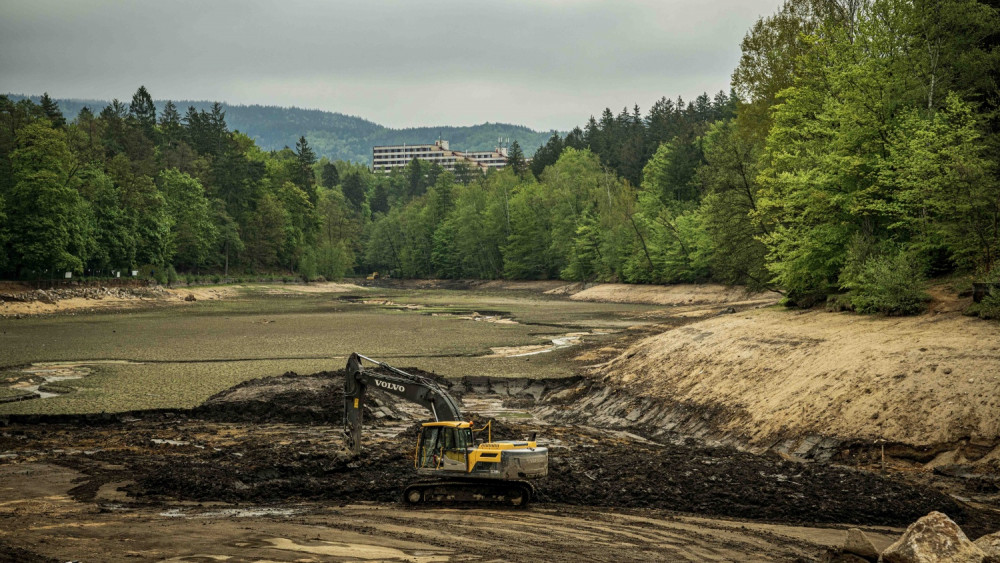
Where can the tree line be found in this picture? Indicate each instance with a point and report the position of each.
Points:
(854, 157)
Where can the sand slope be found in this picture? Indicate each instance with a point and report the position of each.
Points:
(681, 294)
(917, 380)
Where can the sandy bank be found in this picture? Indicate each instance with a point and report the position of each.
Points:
(917, 380)
(674, 295)
(29, 302)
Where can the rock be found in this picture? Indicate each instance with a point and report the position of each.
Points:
(933, 538)
(190, 297)
(858, 544)
(990, 544)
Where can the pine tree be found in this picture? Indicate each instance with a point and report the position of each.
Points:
(51, 110)
(515, 159)
(170, 123)
(354, 190)
(304, 176)
(143, 111)
(330, 176)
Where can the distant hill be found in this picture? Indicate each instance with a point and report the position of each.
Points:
(334, 135)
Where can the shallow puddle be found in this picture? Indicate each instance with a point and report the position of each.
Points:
(231, 513)
(557, 343)
(53, 372)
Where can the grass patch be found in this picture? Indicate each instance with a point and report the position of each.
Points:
(9, 393)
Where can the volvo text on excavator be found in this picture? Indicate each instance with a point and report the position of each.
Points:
(457, 466)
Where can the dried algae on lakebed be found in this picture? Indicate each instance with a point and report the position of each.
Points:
(180, 355)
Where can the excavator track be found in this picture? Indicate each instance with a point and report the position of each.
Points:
(509, 493)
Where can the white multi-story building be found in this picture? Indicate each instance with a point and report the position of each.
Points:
(386, 158)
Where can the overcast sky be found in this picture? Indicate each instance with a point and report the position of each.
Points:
(547, 64)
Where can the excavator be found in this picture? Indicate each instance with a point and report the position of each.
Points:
(456, 465)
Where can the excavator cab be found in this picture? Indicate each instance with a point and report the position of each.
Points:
(444, 446)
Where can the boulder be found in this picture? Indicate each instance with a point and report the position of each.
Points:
(857, 543)
(932, 539)
(990, 544)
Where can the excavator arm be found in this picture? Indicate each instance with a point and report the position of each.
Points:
(414, 388)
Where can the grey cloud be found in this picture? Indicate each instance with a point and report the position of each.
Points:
(543, 63)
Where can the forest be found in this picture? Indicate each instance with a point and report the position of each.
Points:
(333, 135)
(854, 158)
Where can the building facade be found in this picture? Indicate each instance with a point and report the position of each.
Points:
(386, 158)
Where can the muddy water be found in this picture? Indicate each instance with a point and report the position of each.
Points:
(557, 343)
(53, 372)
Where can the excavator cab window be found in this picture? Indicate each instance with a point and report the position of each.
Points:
(441, 447)
(428, 446)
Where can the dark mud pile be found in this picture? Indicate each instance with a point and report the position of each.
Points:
(726, 482)
(278, 440)
(317, 398)
(595, 471)
(301, 399)
(18, 555)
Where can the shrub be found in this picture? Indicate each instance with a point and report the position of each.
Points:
(989, 307)
(839, 302)
(171, 275)
(307, 266)
(889, 283)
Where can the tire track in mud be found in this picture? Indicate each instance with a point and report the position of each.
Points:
(568, 534)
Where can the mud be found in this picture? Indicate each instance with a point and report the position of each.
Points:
(278, 440)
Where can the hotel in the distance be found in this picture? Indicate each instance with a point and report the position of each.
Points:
(386, 158)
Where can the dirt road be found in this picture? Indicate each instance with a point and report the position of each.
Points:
(39, 515)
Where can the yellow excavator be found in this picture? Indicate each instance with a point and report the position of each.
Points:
(458, 465)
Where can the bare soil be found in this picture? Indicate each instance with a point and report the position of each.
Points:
(682, 294)
(773, 374)
(257, 472)
(21, 300)
(272, 448)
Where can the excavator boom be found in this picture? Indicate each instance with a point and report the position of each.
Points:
(414, 388)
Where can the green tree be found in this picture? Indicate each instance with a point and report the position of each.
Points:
(143, 111)
(416, 178)
(729, 180)
(52, 112)
(329, 175)
(193, 233)
(670, 173)
(265, 234)
(354, 190)
(546, 155)
(515, 159)
(528, 252)
(229, 243)
(170, 124)
(943, 188)
(145, 211)
(114, 242)
(304, 176)
(47, 219)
